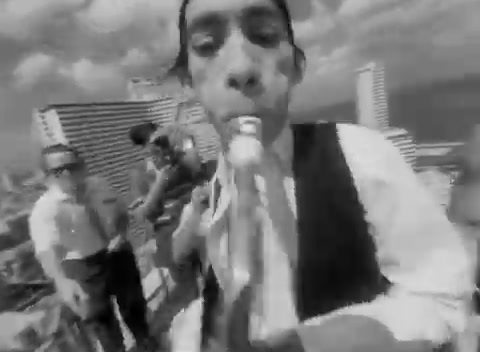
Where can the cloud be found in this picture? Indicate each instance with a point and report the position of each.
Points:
(22, 19)
(33, 69)
(136, 58)
(89, 48)
(417, 40)
(107, 16)
(356, 8)
(105, 40)
(94, 77)
(319, 22)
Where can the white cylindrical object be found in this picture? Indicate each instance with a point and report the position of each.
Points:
(246, 148)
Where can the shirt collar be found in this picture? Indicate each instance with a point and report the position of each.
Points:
(281, 152)
(57, 193)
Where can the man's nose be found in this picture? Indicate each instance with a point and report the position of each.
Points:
(246, 80)
(243, 73)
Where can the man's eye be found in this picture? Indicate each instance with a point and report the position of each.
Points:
(265, 38)
(205, 46)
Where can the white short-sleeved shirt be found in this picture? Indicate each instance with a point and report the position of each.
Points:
(57, 220)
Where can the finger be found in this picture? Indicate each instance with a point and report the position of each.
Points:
(81, 294)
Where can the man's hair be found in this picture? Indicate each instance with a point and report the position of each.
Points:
(140, 134)
(57, 148)
(180, 67)
(60, 148)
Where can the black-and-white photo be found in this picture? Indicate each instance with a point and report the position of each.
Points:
(239, 176)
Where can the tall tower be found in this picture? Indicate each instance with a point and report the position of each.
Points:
(372, 109)
(372, 104)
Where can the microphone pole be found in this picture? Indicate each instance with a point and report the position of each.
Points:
(245, 155)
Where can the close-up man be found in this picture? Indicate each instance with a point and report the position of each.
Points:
(322, 238)
(464, 212)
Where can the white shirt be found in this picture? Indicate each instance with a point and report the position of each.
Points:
(418, 250)
(57, 220)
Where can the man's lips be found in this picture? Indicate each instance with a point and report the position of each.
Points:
(235, 117)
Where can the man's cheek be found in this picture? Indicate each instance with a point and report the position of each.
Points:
(285, 63)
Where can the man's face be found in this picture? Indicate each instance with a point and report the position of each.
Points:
(69, 178)
(241, 62)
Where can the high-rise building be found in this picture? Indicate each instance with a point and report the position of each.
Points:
(372, 101)
(403, 140)
(372, 109)
(100, 131)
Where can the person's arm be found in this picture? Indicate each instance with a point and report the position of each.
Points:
(191, 229)
(49, 251)
(150, 209)
(185, 237)
(45, 237)
(110, 208)
(419, 252)
(147, 199)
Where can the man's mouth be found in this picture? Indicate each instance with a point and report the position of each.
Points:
(236, 117)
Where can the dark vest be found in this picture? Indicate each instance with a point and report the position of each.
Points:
(337, 263)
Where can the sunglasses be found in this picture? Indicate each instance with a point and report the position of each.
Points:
(60, 170)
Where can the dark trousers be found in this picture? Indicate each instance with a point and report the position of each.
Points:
(126, 285)
(92, 273)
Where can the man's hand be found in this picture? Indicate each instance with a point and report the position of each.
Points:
(71, 294)
(116, 242)
(199, 196)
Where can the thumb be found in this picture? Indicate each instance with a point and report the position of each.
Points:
(80, 293)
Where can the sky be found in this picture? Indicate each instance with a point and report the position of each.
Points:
(67, 51)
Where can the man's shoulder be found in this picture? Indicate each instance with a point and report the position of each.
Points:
(349, 134)
(360, 132)
(100, 187)
(210, 168)
(96, 181)
(139, 166)
(364, 140)
(365, 149)
(350, 129)
(45, 204)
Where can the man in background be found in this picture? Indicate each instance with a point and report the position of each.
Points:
(78, 228)
(161, 186)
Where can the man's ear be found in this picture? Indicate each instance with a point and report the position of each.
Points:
(300, 62)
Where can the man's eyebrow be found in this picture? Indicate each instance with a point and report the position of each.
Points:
(263, 12)
(204, 21)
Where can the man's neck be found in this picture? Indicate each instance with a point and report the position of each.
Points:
(77, 196)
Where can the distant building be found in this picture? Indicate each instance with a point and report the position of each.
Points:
(445, 156)
(372, 109)
(148, 89)
(372, 99)
(7, 183)
(403, 140)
